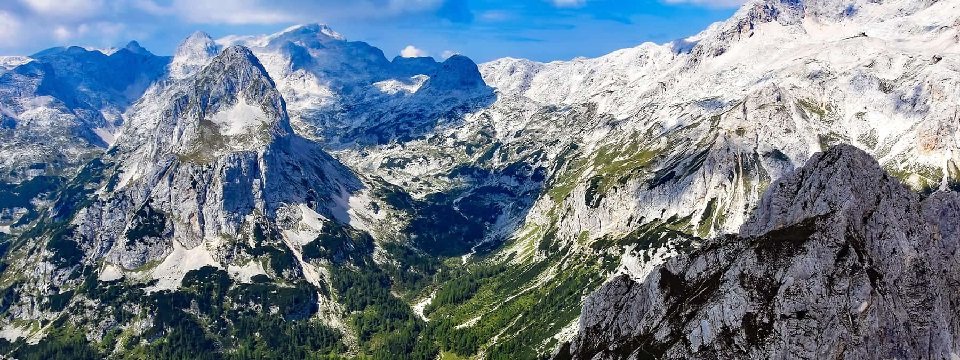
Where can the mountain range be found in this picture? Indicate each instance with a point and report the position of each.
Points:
(781, 185)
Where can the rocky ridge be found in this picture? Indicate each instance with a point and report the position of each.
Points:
(839, 260)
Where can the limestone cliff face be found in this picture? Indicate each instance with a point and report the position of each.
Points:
(208, 172)
(839, 261)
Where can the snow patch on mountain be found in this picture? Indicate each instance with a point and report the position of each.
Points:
(245, 272)
(170, 272)
(9, 62)
(110, 272)
(639, 264)
(311, 219)
(241, 119)
(362, 211)
(14, 333)
(394, 86)
(193, 54)
(308, 226)
(421, 305)
(106, 135)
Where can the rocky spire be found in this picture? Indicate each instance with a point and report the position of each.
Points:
(839, 260)
(192, 54)
(134, 47)
(233, 106)
(216, 148)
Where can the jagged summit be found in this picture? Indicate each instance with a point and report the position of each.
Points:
(829, 182)
(236, 63)
(237, 75)
(229, 105)
(238, 54)
(192, 54)
(838, 239)
(134, 47)
(216, 149)
(885, 18)
(310, 34)
(792, 11)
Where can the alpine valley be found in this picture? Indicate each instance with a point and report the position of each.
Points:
(781, 185)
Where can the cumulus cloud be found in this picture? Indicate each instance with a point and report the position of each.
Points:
(237, 12)
(108, 31)
(568, 3)
(9, 29)
(61, 33)
(64, 8)
(412, 51)
(26, 23)
(709, 3)
(29, 25)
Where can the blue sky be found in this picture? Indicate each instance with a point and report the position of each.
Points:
(542, 30)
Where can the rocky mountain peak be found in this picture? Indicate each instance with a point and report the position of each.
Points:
(456, 73)
(309, 33)
(237, 104)
(801, 17)
(217, 149)
(227, 106)
(192, 54)
(833, 181)
(236, 62)
(792, 11)
(837, 239)
(134, 47)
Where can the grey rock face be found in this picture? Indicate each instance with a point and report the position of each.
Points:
(839, 261)
(193, 54)
(206, 160)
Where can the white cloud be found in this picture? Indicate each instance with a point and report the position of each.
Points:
(412, 51)
(26, 25)
(241, 12)
(59, 22)
(61, 33)
(709, 3)
(106, 31)
(64, 8)
(568, 3)
(9, 29)
(237, 12)
(150, 7)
